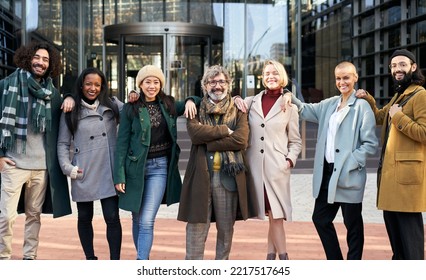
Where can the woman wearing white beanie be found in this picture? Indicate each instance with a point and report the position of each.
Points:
(146, 171)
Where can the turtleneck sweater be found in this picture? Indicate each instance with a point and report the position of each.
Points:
(268, 100)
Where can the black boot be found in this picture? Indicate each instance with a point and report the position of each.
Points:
(271, 256)
(92, 258)
(283, 256)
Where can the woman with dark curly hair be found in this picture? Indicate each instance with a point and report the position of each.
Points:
(31, 109)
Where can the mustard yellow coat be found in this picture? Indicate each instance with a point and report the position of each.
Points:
(402, 185)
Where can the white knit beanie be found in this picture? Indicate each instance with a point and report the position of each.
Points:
(150, 71)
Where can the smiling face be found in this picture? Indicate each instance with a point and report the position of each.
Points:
(217, 88)
(92, 86)
(40, 63)
(346, 78)
(402, 69)
(150, 87)
(271, 77)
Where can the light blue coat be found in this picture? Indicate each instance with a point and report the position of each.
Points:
(355, 140)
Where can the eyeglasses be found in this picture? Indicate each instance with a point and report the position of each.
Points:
(399, 65)
(214, 83)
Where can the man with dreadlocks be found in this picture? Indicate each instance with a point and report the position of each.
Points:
(214, 187)
(30, 113)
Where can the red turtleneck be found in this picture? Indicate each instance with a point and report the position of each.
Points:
(268, 100)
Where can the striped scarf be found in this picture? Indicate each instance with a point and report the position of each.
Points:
(14, 108)
(231, 161)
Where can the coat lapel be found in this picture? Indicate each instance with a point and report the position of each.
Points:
(276, 109)
(345, 110)
(256, 105)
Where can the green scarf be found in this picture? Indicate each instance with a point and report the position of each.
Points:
(14, 108)
(232, 161)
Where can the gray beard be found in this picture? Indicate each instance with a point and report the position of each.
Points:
(214, 97)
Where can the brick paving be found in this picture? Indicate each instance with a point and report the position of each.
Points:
(59, 240)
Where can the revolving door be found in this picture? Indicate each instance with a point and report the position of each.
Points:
(181, 50)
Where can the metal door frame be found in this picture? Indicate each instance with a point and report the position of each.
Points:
(117, 34)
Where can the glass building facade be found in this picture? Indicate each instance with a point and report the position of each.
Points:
(184, 36)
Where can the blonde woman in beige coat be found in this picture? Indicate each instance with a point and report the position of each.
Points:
(274, 146)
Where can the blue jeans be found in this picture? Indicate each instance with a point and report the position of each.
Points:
(143, 222)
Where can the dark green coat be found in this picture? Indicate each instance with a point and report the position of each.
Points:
(133, 141)
(57, 196)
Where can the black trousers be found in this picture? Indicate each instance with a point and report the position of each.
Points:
(406, 235)
(324, 215)
(110, 212)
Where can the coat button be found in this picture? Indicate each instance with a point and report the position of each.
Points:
(262, 125)
(337, 151)
(262, 138)
(261, 151)
(92, 137)
(101, 118)
(104, 134)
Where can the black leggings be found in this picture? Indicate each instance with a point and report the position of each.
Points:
(113, 226)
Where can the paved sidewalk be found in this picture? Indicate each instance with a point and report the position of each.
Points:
(59, 239)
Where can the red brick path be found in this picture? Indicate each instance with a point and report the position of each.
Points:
(59, 240)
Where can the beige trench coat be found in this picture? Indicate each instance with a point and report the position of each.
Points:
(272, 140)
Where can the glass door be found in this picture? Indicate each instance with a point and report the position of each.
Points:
(181, 50)
(140, 51)
(187, 57)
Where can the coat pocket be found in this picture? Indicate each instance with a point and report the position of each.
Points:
(281, 153)
(352, 175)
(132, 163)
(409, 168)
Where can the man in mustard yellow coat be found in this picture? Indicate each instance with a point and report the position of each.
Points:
(402, 171)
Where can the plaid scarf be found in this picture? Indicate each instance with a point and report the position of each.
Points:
(14, 108)
(232, 161)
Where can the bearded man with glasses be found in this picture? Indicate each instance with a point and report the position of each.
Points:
(401, 176)
(214, 187)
